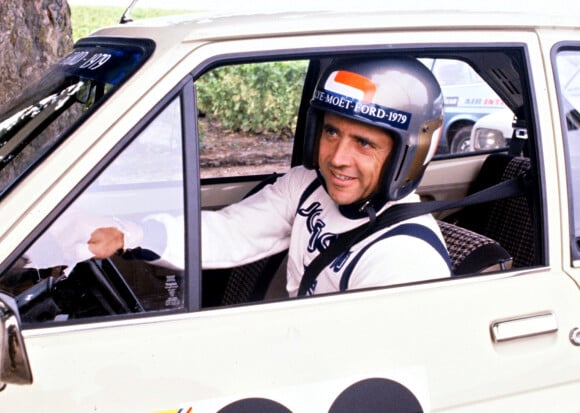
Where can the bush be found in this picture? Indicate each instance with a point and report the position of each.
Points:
(254, 98)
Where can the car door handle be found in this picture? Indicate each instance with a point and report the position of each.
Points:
(524, 326)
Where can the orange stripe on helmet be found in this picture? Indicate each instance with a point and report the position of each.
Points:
(359, 82)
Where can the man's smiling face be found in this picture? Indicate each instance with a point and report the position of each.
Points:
(351, 156)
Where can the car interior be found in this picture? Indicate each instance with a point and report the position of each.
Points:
(493, 236)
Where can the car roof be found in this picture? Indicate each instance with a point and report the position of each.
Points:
(176, 35)
(202, 27)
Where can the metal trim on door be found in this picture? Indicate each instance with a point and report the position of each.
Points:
(524, 326)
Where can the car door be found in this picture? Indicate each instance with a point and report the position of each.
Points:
(493, 341)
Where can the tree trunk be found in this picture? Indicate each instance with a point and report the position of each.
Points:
(33, 34)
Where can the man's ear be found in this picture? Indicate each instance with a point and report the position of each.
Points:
(312, 138)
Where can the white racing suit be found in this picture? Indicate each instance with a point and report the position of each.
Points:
(285, 216)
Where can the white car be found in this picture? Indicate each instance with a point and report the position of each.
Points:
(121, 130)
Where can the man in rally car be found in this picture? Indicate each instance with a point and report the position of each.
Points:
(370, 136)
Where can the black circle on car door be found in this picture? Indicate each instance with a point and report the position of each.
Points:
(253, 405)
(376, 395)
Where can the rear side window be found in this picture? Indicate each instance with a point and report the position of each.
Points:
(39, 119)
(568, 81)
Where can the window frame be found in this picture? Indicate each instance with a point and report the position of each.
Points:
(184, 92)
(517, 50)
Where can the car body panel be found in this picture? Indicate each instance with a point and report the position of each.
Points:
(291, 334)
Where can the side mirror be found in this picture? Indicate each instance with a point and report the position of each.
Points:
(14, 366)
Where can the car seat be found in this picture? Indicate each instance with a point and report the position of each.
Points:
(472, 253)
(507, 221)
(250, 282)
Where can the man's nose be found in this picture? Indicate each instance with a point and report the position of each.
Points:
(341, 153)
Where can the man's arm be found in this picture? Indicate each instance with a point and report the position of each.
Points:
(256, 227)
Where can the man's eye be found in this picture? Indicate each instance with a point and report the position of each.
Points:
(363, 142)
(329, 130)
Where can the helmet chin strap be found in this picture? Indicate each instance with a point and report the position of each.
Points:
(368, 206)
(370, 211)
(371, 205)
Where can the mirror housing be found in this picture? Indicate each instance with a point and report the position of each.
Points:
(14, 365)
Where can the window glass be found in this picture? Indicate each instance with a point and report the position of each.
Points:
(247, 117)
(140, 196)
(568, 75)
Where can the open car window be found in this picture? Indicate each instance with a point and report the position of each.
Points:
(517, 247)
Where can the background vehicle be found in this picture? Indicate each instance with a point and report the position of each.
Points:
(467, 98)
(114, 134)
(492, 131)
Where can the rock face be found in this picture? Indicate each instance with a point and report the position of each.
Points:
(33, 34)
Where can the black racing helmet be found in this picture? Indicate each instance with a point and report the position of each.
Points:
(399, 95)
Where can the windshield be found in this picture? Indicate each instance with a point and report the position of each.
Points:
(35, 122)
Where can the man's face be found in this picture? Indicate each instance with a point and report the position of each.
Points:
(351, 156)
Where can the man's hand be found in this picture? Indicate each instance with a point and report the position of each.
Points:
(105, 242)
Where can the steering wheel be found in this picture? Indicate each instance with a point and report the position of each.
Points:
(93, 288)
(111, 288)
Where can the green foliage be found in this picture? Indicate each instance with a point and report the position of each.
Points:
(254, 98)
(86, 19)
